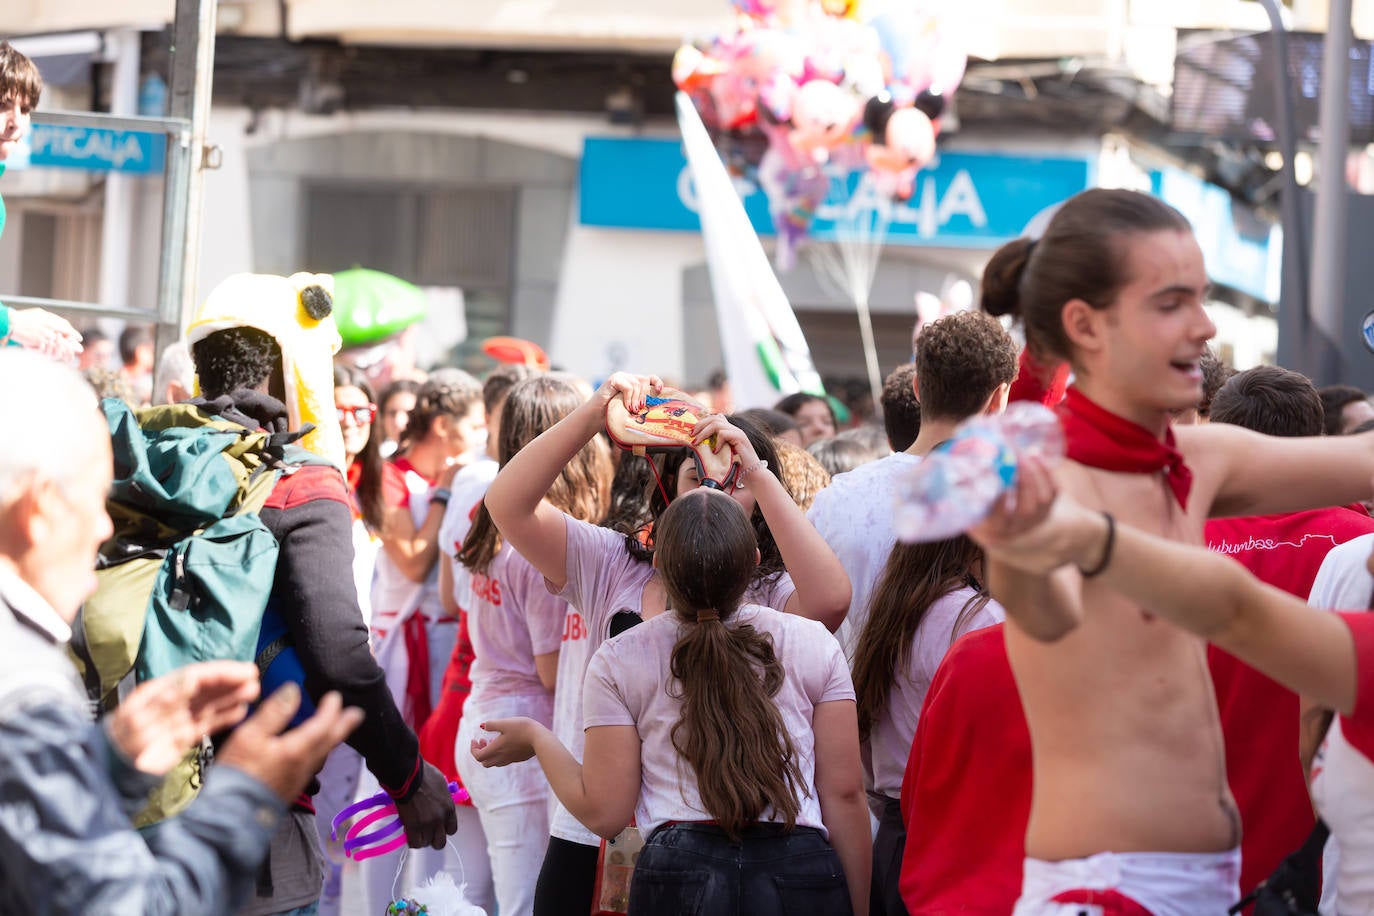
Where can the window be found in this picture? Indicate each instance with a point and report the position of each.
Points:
(460, 238)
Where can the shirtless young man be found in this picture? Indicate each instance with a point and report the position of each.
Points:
(1130, 809)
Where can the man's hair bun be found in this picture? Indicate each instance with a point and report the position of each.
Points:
(1002, 278)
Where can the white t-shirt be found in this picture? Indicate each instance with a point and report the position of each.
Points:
(894, 730)
(1342, 777)
(395, 598)
(1343, 582)
(603, 579)
(394, 595)
(854, 515)
(512, 619)
(365, 548)
(628, 684)
(469, 486)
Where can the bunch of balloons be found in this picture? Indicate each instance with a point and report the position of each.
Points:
(799, 91)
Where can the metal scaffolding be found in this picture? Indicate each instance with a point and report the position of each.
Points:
(192, 65)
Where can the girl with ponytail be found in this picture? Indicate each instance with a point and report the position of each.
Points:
(608, 577)
(726, 729)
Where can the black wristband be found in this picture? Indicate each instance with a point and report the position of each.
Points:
(441, 496)
(1106, 549)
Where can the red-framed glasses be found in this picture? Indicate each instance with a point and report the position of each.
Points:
(360, 415)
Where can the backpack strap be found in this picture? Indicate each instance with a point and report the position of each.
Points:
(81, 651)
(268, 653)
(258, 488)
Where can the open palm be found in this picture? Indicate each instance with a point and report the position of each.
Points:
(163, 718)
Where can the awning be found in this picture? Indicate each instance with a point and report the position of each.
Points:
(40, 17)
(659, 26)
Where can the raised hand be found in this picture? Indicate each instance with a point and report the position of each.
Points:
(633, 389)
(1034, 527)
(728, 438)
(161, 719)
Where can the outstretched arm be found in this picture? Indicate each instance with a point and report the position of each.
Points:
(534, 528)
(1263, 475)
(601, 794)
(1209, 594)
(1047, 607)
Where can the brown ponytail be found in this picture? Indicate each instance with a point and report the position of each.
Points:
(730, 731)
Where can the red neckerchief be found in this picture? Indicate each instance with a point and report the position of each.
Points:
(354, 476)
(1100, 439)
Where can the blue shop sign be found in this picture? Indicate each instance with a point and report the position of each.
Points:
(97, 149)
(1241, 249)
(963, 199)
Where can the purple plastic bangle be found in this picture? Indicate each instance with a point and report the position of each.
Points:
(356, 838)
(373, 802)
(357, 843)
(389, 846)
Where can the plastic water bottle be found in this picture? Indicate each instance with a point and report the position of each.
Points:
(957, 484)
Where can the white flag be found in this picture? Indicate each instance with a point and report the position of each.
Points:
(765, 352)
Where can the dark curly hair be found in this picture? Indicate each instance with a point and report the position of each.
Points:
(960, 361)
(901, 409)
(447, 392)
(1215, 373)
(236, 358)
(629, 511)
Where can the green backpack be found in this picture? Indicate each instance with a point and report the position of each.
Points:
(187, 574)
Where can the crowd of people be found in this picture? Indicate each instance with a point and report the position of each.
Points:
(1118, 694)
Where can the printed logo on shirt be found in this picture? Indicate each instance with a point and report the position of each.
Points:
(486, 588)
(574, 627)
(1254, 543)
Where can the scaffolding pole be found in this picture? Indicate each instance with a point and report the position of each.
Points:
(192, 70)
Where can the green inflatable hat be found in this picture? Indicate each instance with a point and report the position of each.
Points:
(370, 306)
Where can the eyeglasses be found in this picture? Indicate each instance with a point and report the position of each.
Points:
(360, 415)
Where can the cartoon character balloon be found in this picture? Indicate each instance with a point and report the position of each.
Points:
(799, 92)
(902, 141)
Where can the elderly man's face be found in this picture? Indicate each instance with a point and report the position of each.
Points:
(72, 513)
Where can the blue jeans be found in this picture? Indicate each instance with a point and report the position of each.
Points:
(690, 869)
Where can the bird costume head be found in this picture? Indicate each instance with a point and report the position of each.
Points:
(297, 311)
